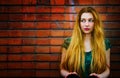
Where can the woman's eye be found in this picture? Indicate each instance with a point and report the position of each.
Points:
(91, 20)
(83, 20)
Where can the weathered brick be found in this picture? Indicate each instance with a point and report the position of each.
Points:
(42, 49)
(58, 2)
(28, 57)
(44, 65)
(57, 33)
(58, 9)
(28, 49)
(56, 41)
(43, 33)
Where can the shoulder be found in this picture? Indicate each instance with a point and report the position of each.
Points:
(107, 43)
(66, 42)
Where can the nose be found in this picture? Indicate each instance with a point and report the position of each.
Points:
(86, 23)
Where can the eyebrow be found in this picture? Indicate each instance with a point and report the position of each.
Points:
(88, 18)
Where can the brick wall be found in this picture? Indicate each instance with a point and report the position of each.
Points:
(32, 31)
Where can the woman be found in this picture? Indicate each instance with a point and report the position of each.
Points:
(87, 52)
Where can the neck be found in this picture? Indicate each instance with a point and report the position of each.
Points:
(87, 36)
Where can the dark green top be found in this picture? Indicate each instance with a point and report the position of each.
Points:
(88, 55)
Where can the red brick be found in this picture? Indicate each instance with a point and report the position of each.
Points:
(28, 9)
(14, 65)
(43, 9)
(85, 2)
(15, 41)
(29, 41)
(29, 2)
(41, 73)
(115, 42)
(16, 17)
(57, 17)
(43, 25)
(3, 73)
(28, 49)
(3, 9)
(43, 33)
(14, 49)
(114, 74)
(114, 9)
(15, 33)
(47, 57)
(113, 17)
(3, 49)
(114, 49)
(57, 33)
(14, 73)
(68, 25)
(15, 9)
(3, 58)
(14, 58)
(68, 33)
(3, 41)
(42, 49)
(58, 9)
(57, 25)
(4, 33)
(28, 73)
(42, 17)
(100, 1)
(28, 33)
(115, 58)
(77, 9)
(44, 65)
(28, 57)
(113, 25)
(28, 65)
(47, 74)
(4, 17)
(3, 25)
(55, 66)
(55, 49)
(12, 2)
(55, 73)
(15, 25)
(112, 34)
(72, 9)
(29, 17)
(43, 41)
(43, 2)
(101, 9)
(103, 17)
(28, 25)
(56, 41)
(113, 1)
(57, 2)
(70, 17)
(3, 65)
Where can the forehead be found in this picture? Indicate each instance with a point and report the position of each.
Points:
(87, 15)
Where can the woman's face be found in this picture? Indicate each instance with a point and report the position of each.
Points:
(87, 23)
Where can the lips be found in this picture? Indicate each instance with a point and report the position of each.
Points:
(86, 29)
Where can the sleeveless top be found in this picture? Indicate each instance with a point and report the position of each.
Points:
(88, 55)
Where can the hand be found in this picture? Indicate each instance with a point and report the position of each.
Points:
(94, 74)
(71, 74)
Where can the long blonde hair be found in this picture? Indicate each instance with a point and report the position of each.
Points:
(74, 60)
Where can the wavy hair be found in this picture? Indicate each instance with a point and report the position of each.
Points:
(74, 60)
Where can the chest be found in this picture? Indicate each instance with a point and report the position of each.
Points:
(87, 46)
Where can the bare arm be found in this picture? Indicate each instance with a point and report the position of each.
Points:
(106, 73)
(64, 72)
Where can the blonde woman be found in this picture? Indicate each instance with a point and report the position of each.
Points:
(87, 52)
